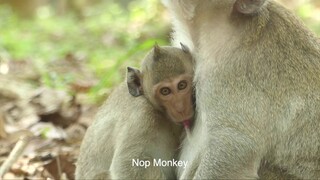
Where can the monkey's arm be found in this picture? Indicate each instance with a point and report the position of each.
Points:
(227, 144)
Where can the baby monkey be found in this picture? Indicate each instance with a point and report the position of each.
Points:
(166, 81)
(134, 132)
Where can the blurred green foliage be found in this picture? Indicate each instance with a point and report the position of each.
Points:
(310, 14)
(110, 35)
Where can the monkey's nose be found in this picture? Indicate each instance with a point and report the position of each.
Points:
(179, 107)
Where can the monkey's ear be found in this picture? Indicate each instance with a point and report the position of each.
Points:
(184, 48)
(156, 52)
(134, 81)
(248, 6)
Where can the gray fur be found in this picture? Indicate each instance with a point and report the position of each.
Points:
(258, 91)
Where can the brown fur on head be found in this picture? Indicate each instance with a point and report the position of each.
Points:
(165, 67)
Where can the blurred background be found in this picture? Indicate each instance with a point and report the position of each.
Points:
(60, 59)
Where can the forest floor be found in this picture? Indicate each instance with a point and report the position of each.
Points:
(40, 128)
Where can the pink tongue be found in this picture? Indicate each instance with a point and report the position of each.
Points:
(186, 124)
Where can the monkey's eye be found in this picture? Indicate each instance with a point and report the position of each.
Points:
(165, 91)
(182, 85)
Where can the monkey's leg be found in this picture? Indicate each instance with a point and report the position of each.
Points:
(230, 154)
(121, 169)
(269, 172)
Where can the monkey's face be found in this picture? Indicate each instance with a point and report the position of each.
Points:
(175, 95)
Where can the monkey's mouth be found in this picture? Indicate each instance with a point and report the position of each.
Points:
(186, 124)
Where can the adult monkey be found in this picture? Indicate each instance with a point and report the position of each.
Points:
(258, 88)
